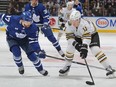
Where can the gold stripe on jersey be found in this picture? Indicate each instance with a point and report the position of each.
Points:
(70, 35)
(101, 56)
(98, 53)
(103, 59)
(87, 36)
(95, 29)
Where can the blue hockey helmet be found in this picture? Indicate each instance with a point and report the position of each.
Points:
(27, 16)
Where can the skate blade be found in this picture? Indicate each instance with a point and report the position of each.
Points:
(112, 76)
(65, 74)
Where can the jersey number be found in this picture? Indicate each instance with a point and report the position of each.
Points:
(85, 29)
(8, 18)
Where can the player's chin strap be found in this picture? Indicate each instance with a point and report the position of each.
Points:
(75, 62)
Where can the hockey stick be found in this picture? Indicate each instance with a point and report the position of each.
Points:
(74, 62)
(89, 82)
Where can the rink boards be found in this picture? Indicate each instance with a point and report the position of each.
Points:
(103, 24)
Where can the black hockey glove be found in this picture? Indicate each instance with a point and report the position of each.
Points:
(45, 26)
(62, 25)
(76, 45)
(41, 54)
(61, 20)
(83, 51)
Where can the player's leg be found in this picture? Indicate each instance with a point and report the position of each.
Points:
(14, 48)
(35, 60)
(49, 34)
(98, 53)
(68, 60)
(102, 58)
(69, 57)
(60, 33)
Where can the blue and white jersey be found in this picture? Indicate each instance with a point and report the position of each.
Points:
(79, 8)
(17, 31)
(40, 13)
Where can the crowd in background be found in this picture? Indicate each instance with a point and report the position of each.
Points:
(90, 7)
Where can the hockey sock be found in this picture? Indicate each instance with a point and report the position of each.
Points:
(18, 61)
(16, 51)
(69, 58)
(100, 56)
(36, 61)
(59, 35)
(54, 42)
(17, 55)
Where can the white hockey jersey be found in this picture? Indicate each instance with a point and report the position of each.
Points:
(66, 13)
(84, 31)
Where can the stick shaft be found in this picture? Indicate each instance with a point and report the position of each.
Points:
(75, 62)
(89, 71)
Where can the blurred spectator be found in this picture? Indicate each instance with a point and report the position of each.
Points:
(15, 7)
(54, 11)
(90, 7)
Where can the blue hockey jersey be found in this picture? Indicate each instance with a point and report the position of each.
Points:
(40, 13)
(17, 31)
(79, 8)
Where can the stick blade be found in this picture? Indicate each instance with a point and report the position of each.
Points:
(90, 83)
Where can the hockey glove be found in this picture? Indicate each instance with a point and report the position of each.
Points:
(45, 26)
(83, 51)
(76, 45)
(41, 54)
(61, 20)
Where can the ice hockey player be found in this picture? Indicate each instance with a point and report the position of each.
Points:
(64, 16)
(78, 6)
(41, 19)
(81, 34)
(22, 33)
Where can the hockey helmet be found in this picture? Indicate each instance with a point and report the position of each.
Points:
(27, 16)
(75, 15)
(70, 3)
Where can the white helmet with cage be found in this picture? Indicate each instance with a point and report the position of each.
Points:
(75, 15)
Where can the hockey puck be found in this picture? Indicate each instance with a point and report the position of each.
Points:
(90, 83)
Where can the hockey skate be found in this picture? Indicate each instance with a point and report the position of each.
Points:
(64, 71)
(61, 53)
(21, 70)
(110, 72)
(44, 72)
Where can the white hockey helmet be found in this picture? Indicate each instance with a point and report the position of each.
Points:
(75, 15)
(70, 3)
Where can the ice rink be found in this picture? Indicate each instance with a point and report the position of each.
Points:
(78, 75)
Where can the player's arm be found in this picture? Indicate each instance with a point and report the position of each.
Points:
(8, 19)
(80, 9)
(33, 41)
(44, 14)
(26, 8)
(86, 34)
(61, 15)
(69, 34)
(61, 19)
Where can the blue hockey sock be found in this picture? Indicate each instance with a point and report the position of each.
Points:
(17, 55)
(16, 51)
(54, 42)
(18, 61)
(36, 61)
